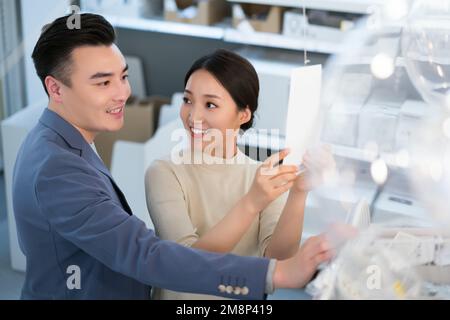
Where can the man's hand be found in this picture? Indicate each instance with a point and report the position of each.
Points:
(297, 271)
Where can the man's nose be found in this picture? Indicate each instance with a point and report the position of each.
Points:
(123, 92)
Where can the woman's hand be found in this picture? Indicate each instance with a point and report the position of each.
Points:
(315, 163)
(271, 181)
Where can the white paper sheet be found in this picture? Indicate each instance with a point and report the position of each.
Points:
(302, 125)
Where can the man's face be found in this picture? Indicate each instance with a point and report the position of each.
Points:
(99, 89)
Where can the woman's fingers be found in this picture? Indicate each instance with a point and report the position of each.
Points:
(275, 158)
(284, 169)
(282, 179)
(284, 188)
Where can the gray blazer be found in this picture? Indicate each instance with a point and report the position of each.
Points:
(81, 240)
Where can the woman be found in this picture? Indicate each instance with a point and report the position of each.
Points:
(218, 199)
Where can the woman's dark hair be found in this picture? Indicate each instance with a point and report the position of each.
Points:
(52, 53)
(236, 75)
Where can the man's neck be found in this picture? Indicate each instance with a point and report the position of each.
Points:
(88, 136)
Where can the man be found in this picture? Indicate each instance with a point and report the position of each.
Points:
(75, 227)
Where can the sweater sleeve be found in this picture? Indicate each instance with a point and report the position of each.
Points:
(166, 203)
(268, 220)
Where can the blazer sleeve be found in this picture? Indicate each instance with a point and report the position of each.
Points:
(74, 198)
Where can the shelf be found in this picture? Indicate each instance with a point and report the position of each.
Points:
(168, 27)
(225, 33)
(280, 41)
(355, 6)
(274, 143)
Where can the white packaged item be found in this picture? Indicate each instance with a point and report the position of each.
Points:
(294, 24)
(378, 124)
(359, 217)
(302, 121)
(341, 124)
(274, 71)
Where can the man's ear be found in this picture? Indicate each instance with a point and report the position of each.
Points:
(245, 115)
(54, 89)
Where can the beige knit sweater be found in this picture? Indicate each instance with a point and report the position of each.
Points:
(185, 200)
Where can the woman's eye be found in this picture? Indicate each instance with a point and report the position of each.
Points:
(211, 106)
(186, 101)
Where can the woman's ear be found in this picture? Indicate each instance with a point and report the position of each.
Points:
(245, 116)
(54, 89)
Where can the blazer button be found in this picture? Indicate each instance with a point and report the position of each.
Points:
(237, 290)
(245, 291)
(222, 288)
(229, 289)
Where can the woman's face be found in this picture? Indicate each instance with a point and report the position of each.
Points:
(211, 116)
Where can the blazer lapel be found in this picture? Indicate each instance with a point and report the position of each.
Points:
(89, 154)
(76, 141)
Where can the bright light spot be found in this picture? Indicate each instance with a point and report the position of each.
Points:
(440, 71)
(379, 171)
(422, 79)
(382, 66)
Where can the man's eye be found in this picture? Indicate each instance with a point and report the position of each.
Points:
(211, 106)
(125, 77)
(186, 100)
(103, 84)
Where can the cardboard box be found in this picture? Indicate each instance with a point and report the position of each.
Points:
(262, 18)
(141, 121)
(206, 12)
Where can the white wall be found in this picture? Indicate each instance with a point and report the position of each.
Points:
(35, 14)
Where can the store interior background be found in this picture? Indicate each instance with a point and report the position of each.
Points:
(165, 52)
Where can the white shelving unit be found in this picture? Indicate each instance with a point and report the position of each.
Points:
(228, 34)
(280, 41)
(169, 27)
(351, 6)
(264, 141)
